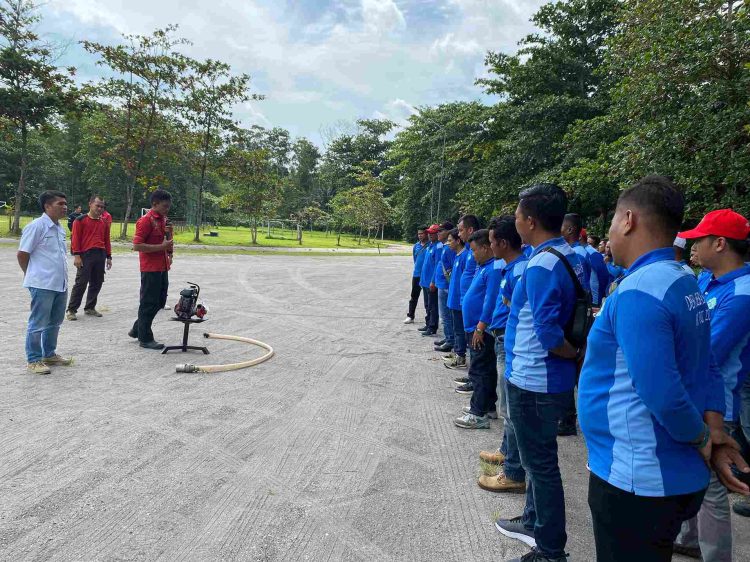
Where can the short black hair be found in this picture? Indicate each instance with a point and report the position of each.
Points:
(470, 221)
(504, 228)
(160, 195)
(447, 225)
(596, 239)
(94, 197)
(739, 247)
(423, 227)
(546, 203)
(575, 220)
(49, 196)
(659, 197)
(454, 234)
(481, 237)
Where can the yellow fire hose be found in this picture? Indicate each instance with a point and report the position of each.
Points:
(188, 368)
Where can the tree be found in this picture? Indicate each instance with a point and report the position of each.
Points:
(32, 88)
(142, 90)
(211, 93)
(252, 188)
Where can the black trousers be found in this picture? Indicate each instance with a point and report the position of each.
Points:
(154, 285)
(416, 290)
(432, 318)
(91, 275)
(629, 527)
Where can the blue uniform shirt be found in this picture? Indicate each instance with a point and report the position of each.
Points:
(428, 267)
(444, 264)
(728, 300)
(470, 268)
(479, 301)
(541, 307)
(418, 253)
(648, 379)
(454, 289)
(599, 280)
(511, 273)
(583, 256)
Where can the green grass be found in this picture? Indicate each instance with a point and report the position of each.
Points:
(240, 236)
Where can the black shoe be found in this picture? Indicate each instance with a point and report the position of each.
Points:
(439, 343)
(742, 508)
(566, 431)
(444, 347)
(423, 329)
(152, 345)
(460, 381)
(536, 556)
(689, 551)
(133, 334)
(429, 333)
(467, 388)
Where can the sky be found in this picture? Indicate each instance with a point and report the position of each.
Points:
(319, 63)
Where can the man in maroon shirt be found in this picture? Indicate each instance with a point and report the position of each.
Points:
(153, 241)
(90, 245)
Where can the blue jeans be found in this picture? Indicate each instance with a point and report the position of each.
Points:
(745, 408)
(535, 416)
(509, 447)
(459, 336)
(483, 375)
(446, 315)
(47, 313)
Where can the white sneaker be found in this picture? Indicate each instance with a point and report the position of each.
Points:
(408, 320)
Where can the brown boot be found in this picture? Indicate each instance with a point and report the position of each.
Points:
(492, 457)
(502, 484)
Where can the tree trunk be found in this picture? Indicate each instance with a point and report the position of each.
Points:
(16, 229)
(359, 242)
(129, 191)
(199, 218)
(299, 233)
(254, 231)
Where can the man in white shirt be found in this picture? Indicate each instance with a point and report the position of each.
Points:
(42, 256)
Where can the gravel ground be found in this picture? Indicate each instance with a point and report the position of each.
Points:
(339, 448)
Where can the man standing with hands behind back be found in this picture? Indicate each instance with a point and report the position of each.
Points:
(153, 241)
(91, 247)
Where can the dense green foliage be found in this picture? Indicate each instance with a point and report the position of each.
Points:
(607, 91)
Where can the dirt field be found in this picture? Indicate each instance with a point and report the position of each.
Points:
(339, 448)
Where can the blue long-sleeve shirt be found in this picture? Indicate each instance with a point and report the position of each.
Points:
(511, 273)
(470, 268)
(583, 257)
(444, 264)
(418, 253)
(728, 299)
(454, 289)
(648, 379)
(541, 306)
(599, 280)
(427, 276)
(479, 301)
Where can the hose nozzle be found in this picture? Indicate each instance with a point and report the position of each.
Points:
(186, 368)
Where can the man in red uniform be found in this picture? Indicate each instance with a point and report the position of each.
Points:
(90, 245)
(153, 241)
(106, 217)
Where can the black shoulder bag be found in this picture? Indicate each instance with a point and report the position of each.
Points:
(578, 326)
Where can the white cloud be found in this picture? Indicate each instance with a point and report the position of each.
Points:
(357, 58)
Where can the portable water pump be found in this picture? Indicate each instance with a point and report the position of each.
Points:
(188, 305)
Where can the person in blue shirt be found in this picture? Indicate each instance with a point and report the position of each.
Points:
(457, 359)
(651, 405)
(541, 368)
(418, 253)
(679, 246)
(478, 305)
(427, 282)
(721, 244)
(467, 225)
(442, 281)
(615, 271)
(42, 256)
(506, 247)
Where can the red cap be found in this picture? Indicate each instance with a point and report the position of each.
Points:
(584, 234)
(724, 222)
(433, 229)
